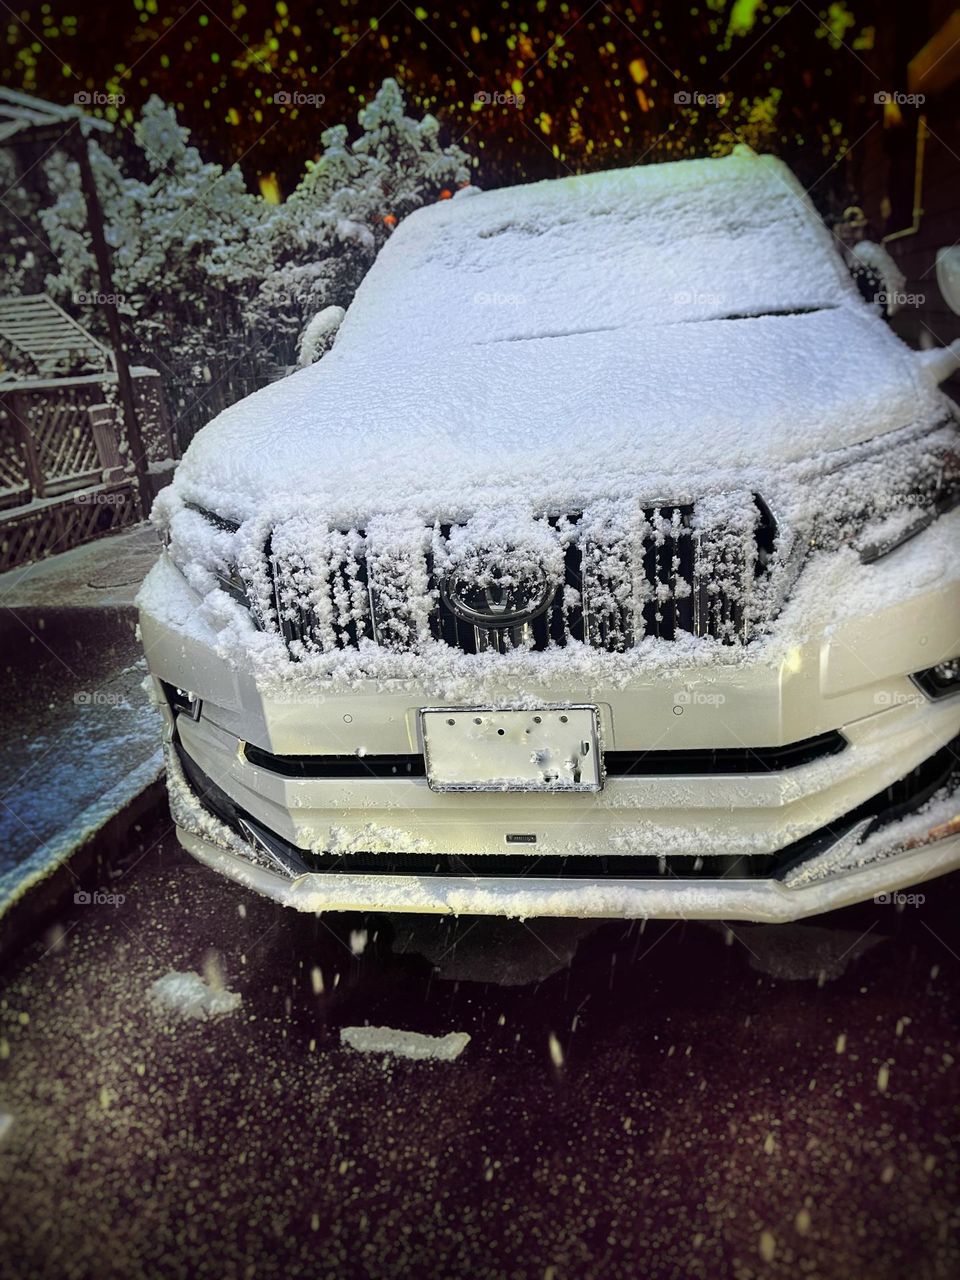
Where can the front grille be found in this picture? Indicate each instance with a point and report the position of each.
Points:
(629, 572)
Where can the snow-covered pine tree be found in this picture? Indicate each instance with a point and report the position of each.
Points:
(217, 284)
(181, 263)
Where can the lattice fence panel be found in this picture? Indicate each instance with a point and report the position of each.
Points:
(62, 525)
(14, 484)
(61, 432)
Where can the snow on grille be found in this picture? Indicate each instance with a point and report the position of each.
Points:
(620, 571)
(320, 587)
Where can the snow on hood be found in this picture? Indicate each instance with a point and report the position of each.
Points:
(557, 414)
(540, 338)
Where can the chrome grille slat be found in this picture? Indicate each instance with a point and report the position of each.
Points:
(726, 536)
(401, 592)
(669, 567)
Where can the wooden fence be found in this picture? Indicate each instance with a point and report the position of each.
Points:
(65, 473)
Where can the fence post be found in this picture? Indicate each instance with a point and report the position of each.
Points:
(102, 419)
(102, 255)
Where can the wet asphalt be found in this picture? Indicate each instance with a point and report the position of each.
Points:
(670, 1100)
(75, 716)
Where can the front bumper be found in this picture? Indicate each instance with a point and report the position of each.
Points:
(848, 670)
(764, 900)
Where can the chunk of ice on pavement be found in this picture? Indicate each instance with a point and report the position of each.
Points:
(405, 1044)
(188, 995)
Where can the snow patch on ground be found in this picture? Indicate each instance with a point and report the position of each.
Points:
(187, 995)
(405, 1044)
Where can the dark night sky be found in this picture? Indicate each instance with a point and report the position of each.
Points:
(583, 86)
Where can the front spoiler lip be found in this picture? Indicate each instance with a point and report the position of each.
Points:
(763, 900)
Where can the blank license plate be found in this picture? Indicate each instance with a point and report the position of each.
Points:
(478, 749)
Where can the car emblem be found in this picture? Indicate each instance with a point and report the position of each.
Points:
(502, 595)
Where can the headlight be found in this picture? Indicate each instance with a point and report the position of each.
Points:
(882, 498)
(231, 581)
(202, 546)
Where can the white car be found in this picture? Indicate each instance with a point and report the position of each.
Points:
(607, 565)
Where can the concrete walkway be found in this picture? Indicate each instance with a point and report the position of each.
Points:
(102, 574)
(80, 739)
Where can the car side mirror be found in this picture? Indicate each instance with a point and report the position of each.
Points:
(948, 276)
(319, 335)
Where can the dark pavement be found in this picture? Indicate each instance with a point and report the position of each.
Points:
(677, 1101)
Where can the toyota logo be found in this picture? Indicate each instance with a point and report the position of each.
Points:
(501, 596)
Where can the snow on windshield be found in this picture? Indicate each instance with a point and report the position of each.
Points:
(652, 244)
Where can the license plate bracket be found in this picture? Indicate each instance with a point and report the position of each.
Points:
(547, 749)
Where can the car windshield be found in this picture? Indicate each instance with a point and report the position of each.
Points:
(636, 248)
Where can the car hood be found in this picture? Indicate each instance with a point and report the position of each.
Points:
(362, 432)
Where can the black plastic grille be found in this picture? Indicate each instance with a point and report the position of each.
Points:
(704, 762)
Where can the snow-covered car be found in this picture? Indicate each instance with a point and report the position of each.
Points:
(605, 566)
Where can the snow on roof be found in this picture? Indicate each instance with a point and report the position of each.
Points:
(587, 331)
(22, 115)
(46, 336)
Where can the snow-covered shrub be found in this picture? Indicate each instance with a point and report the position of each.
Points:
(22, 256)
(182, 266)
